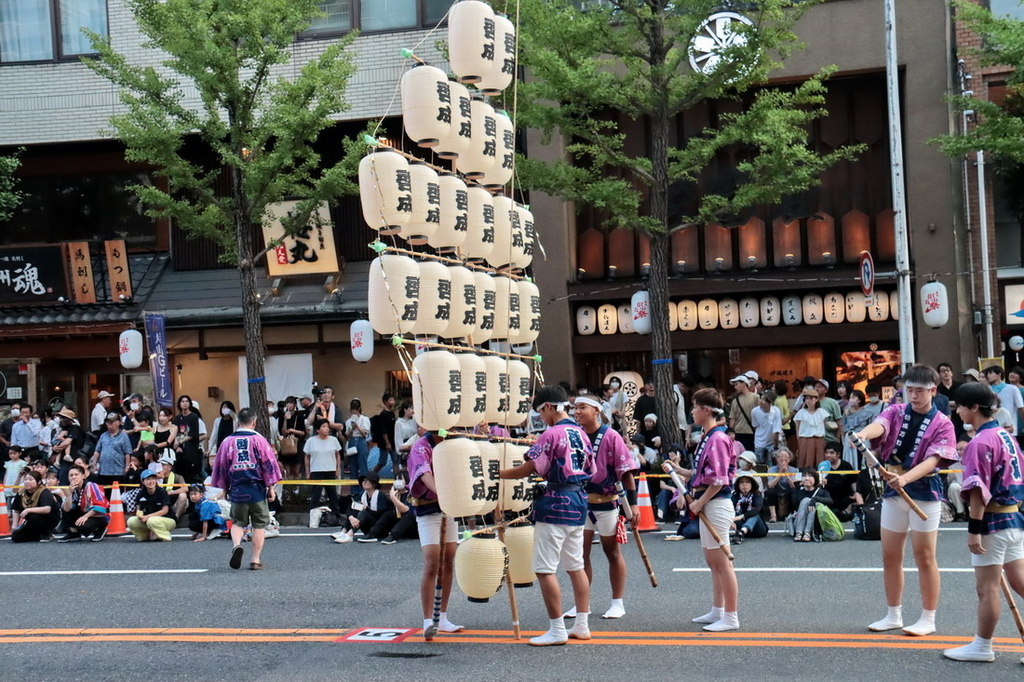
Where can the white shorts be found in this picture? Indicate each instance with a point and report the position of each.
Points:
(719, 513)
(1002, 547)
(607, 522)
(552, 543)
(898, 517)
(430, 529)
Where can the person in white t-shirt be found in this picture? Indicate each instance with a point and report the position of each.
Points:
(766, 419)
(323, 462)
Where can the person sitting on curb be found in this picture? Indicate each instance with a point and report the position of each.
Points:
(748, 504)
(372, 506)
(34, 511)
(205, 519)
(153, 519)
(85, 508)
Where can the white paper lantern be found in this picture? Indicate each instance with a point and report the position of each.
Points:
(750, 311)
(515, 311)
(729, 313)
(482, 154)
(1016, 343)
(385, 190)
(472, 35)
(462, 321)
(673, 317)
(486, 307)
(361, 339)
(813, 309)
(474, 389)
(529, 325)
(519, 543)
(435, 299)
(504, 209)
(771, 311)
(640, 305)
(686, 311)
(502, 309)
(437, 389)
(516, 495)
(492, 457)
(480, 237)
(586, 320)
(878, 311)
(480, 565)
(456, 142)
(426, 204)
(835, 307)
(523, 348)
(792, 310)
(497, 387)
(500, 77)
(894, 304)
(459, 492)
(607, 319)
(707, 313)
(856, 310)
(934, 304)
(500, 173)
(393, 294)
(454, 225)
(520, 394)
(522, 223)
(129, 345)
(426, 104)
(625, 314)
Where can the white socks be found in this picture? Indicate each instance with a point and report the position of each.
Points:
(892, 621)
(617, 609)
(446, 625)
(924, 626)
(730, 620)
(978, 650)
(581, 629)
(712, 616)
(555, 635)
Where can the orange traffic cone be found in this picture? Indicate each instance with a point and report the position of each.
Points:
(117, 525)
(5, 520)
(643, 500)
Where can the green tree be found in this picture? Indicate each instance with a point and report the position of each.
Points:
(259, 119)
(10, 197)
(591, 64)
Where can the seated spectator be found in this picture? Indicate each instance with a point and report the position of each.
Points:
(371, 507)
(667, 494)
(205, 518)
(174, 484)
(404, 525)
(84, 511)
(153, 519)
(747, 462)
(805, 499)
(838, 485)
(748, 504)
(34, 513)
(954, 482)
(779, 490)
(869, 486)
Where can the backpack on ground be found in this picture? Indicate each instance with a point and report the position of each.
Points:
(831, 526)
(867, 521)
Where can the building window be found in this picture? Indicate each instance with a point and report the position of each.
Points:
(376, 15)
(1007, 8)
(46, 30)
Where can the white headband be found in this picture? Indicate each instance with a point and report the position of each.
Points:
(914, 384)
(587, 400)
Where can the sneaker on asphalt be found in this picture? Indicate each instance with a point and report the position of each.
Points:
(213, 535)
(578, 631)
(236, 557)
(615, 612)
(921, 628)
(886, 624)
(448, 626)
(71, 538)
(46, 538)
(344, 539)
(389, 541)
(970, 652)
(366, 539)
(723, 625)
(673, 538)
(99, 538)
(550, 638)
(338, 534)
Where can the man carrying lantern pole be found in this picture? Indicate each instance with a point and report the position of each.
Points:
(563, 456)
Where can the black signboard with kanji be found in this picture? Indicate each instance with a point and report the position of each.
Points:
(32, 275)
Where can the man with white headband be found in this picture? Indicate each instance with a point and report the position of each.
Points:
(613, 464)
(913, 441)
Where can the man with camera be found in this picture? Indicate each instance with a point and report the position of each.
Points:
(326, 410)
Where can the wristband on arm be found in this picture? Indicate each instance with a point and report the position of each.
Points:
(975, 526)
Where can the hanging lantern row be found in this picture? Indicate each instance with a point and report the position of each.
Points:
(481, 46)
(466, 473)
(747, 313)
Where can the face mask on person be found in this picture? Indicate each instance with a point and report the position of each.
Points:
(135, 407)
(873, 399)
(226, 412)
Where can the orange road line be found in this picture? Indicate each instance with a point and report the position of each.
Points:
(31, 639)
(876, 637)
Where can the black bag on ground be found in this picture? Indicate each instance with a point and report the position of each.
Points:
(867, 521)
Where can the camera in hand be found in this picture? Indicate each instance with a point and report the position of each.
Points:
(317, 391)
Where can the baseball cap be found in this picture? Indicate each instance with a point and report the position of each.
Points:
(146, 473)
(742, 377)
(752, 375)
(823, 382)
(971, 372)
(104, 394)
(112, 417)
(166, 460)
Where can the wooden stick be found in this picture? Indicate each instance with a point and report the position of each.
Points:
(429, 633)
(1008, 593)
(681, 487)
(636, 536)
(863, 449)
(511, 590)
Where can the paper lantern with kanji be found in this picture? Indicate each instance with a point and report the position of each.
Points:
(673, 317)
(529, 303)
(385, 191)
(856, 308)
(586, 320)
(834, 307)
(934, 304)
(729, 313)
(503, 293)
(454, 218)
(129, 346)
(686, 311)
(474, 389)
(480, 236)
(426, 104)
(792, 310)
(520, 394)
(435, 299)
(607, 319)
(426, 204)
(517, 494)
(878, 311)
(482, 154)
(813, 309)
(497, 387)
(459, 477)
(707, 313)
(500, 77)
(750, 312)
(480, 565)
(457, 140)
(519, 543)
(486, 307)
(393, 296)
(504, 209)
(500, 172)
(491, 456)
(894, 303)
(472, 37)
(625, 313)
(641, 308)
(437, 389)
(462, 321)
(771, 311)
(522, 227)
(361, 339)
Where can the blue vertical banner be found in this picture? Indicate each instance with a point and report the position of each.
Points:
(159, 367)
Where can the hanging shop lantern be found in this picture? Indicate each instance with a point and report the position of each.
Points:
(771, 311)
(500, 77)
(625, 315)
(894, 304)
(480, 565)
(835, 307)
(586, 320)
(497, 387)
(707, 313)
(360, 337)
(462, 320)
(500, 173)
(522, 226)
(474, 389)
(856, 309)
(393, 296)
(1016, 343)
(458, 475)
(673, 317)
(520, 394)
(607, 319)
(750, 312)
(686, 310)
(519, 543)
(480, 236)
(426, 204)
(813, 309)
(483, 146)
(129, 345)
(934, 304)
(504, 209)
(471, 40)
(486, 307)
(454, 221)
(435, 299)
(878, 311)
(729, 313)
(529, 304)
(641, 309)
(503, 292)
(517, 494)
(385, 192)
(456, 141)
(426, 104)
(491, 456)
(437, 389)
(792, 310)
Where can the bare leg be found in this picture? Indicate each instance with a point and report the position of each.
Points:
(552, 593)
(580, 592)
(923, 545)
(258, 536)
(588, 537)
(446, 579)
(616, 563)
(893, 544)
(986, 582)
(723, 579)
(431, 555)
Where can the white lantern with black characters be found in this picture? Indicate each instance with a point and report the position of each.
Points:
(426, 104)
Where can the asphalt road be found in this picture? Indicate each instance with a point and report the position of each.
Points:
(289, 621)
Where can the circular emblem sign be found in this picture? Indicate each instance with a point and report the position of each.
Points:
(715, 35)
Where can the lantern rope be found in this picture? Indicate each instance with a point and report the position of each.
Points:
(447, 259)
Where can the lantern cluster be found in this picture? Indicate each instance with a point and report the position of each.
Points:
(466, 473)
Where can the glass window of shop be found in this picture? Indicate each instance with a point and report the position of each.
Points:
(14, 386)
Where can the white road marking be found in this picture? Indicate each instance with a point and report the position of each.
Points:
(110, 572)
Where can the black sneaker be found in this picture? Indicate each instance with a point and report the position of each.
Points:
(366, 539)
(389, 541)
(236, 557)
(99, 537)
(47, 538)
(71, 538)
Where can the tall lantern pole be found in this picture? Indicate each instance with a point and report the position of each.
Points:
(899, 202)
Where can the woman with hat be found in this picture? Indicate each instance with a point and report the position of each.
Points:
(810, 430)
(748, 503)
(371, 506)
(68, 440)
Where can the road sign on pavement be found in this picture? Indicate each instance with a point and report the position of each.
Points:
(378, 635)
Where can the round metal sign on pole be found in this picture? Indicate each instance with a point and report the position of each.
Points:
(867, 276)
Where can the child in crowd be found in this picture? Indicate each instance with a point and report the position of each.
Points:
(144, 425)
(805, 500)
(810, 430)
(205, 519)
(12, 471)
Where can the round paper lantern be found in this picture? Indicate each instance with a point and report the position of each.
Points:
(750, 312)
(459, 477)
(771, 311)
(729, 313)
(835, 307)
(456, 141)
(503, 293)
(500, 173)
(625, 315)
(686, 311)
(480, 235)
(934, 304)
(435, 299)
(129, 345)
(360, 337)
(856, 310)
(641, 308)
(586, 320)
(482, 154)
(454, 224)
(474, 389)
(426, 104)
(385, 192)
(792, 310)
(491, 456)
(607, 319)
(1016, 343)
(521, 218)
(878, 311)
(516, 495)
(523, 348)
(426, 204)
(480, 565)
(462, 320)
(504, 209)
(437, 389)
(393, 296)
(486, 307)
(529, 324)
(673, 317)
(471, 40)
(813, 309)
(497, 387)
(520, 394)
(500, 77)
(707, 313)
(894, 304)
(519, 543)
